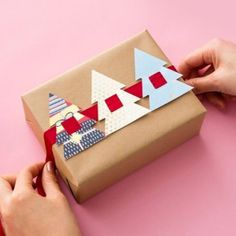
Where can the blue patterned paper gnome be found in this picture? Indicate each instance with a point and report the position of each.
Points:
(61, 110)
(160, 83)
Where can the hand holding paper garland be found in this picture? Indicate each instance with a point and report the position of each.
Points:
(114, 104)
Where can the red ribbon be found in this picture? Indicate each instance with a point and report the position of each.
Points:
(49, 140)
(70, 125)
(1, 230)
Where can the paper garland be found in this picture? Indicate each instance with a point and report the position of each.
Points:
(115, 103)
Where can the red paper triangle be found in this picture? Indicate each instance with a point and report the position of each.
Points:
(91, 112)
(113, 103)
(157, 80)
(135, 89)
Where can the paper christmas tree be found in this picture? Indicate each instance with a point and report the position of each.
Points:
(160, 83)
(74, 131)
(116, 106)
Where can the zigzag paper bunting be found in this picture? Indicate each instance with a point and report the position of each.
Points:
(115, 103)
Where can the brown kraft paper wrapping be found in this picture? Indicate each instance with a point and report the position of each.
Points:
(127, 149)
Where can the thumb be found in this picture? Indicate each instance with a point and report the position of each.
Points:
(49, 180)
(204, 84)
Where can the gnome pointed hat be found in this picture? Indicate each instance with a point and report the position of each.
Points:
(56, 104)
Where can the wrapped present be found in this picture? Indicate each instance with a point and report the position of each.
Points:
(105, 118)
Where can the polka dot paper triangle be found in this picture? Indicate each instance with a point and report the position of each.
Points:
(146, 64)
(103, 87)
(127, 113)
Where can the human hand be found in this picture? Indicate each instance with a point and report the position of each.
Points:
(25, 213)
(211, 70)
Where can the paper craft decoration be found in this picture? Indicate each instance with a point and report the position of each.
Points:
(74, 130)
(114, 103)
(160, 83)
(116, 106)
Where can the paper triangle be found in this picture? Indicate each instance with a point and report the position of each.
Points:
(167, 93)
(146, 64)
(56, 104)
(103, 86)
(123, 117)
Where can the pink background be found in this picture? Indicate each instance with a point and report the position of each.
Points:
(192, 189)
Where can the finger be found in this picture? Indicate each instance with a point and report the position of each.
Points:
(49, 180)
(199, 58)
(5, 190)
(11, 179)
(233, 98)
(25, 178)
(217, 100)
(200, 96)
(204, 84)
(228, 97)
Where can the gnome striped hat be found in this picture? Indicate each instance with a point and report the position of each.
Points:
(56, 104)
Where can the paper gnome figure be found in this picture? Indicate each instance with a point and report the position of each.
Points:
(160, 83)
(116, 106)
(74, 141)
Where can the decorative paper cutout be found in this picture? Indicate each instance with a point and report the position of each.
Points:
(147, 66)
(104, 87)
(135, 89)
(56, 104)
(172, 68)
(71, 125)
(157, 80)
(113, 103)
(91, 112)
(84, 138)
(74, 130)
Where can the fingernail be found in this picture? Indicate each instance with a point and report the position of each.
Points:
(50, 166)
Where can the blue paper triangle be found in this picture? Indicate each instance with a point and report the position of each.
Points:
(167, 93)
(168, 74)
(146, 64)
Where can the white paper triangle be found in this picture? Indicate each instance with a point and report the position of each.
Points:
(104, 87)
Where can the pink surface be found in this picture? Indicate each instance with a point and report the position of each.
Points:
(191, 190)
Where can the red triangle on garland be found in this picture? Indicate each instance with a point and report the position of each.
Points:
(91, 112)
(135, 89)
(172, 68)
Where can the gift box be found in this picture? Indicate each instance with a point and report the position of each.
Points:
(113, 114)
